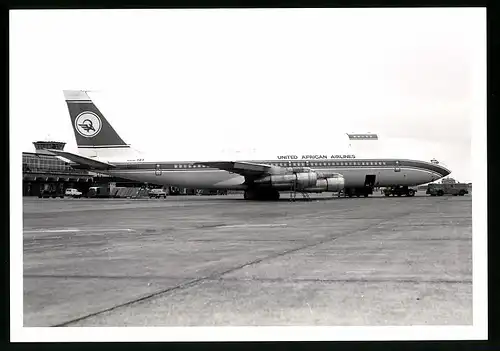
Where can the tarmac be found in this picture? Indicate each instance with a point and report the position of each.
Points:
(223, 261)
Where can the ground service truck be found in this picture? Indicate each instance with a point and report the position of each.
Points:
(454, 189)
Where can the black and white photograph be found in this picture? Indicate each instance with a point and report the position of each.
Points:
(248, 174)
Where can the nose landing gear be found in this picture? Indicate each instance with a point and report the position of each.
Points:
(261, 194)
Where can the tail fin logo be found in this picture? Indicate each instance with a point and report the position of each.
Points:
(88, 124)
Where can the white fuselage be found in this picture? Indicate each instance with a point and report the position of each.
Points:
(192, 175)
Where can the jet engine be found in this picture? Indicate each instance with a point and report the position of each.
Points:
(285, 181)
(333, 184)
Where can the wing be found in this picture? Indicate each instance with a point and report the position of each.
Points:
(81, 160)
(247, 169)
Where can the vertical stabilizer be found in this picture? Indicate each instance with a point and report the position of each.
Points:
(94, 135)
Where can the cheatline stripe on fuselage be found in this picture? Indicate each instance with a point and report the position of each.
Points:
(329, 164)
(211, 170)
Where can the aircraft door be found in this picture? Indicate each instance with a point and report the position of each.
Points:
(158, 170)
(370, 180)
(397, 167)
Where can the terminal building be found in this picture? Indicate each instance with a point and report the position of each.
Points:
(43, 171)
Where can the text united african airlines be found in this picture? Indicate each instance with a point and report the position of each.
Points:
(313, 157)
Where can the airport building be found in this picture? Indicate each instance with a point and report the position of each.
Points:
(42, 171)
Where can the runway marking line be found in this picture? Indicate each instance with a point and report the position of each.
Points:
(77, 230)
(250, 225)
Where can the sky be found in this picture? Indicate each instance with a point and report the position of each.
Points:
(187, 83)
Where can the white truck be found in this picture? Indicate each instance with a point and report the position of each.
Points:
(71, 192)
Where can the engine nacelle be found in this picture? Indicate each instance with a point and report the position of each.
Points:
(333, 184)
(285, 181)
(327, 175)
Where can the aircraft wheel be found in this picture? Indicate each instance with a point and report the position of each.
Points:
(249, 195)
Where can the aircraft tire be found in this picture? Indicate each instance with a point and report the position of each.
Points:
(275, 195)
(249, 195)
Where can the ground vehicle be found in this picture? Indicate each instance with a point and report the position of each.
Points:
(157, 193)
(98, 192)
(51, 190)
(454, 189)
(360, 191)
(399, 190)
(50, 193)
(73, 193)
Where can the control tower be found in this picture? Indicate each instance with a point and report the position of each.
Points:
(40, 146)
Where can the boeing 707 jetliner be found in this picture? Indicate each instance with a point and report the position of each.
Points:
(101, 149)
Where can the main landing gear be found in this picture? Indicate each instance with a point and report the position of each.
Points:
(363, 191)
(399, 191)
(262, 194)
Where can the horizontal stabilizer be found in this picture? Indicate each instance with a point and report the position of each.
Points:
(81, 160)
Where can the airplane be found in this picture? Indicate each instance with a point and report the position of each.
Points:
(101, 149)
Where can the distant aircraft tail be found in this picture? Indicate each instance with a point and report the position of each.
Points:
(95, 137)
